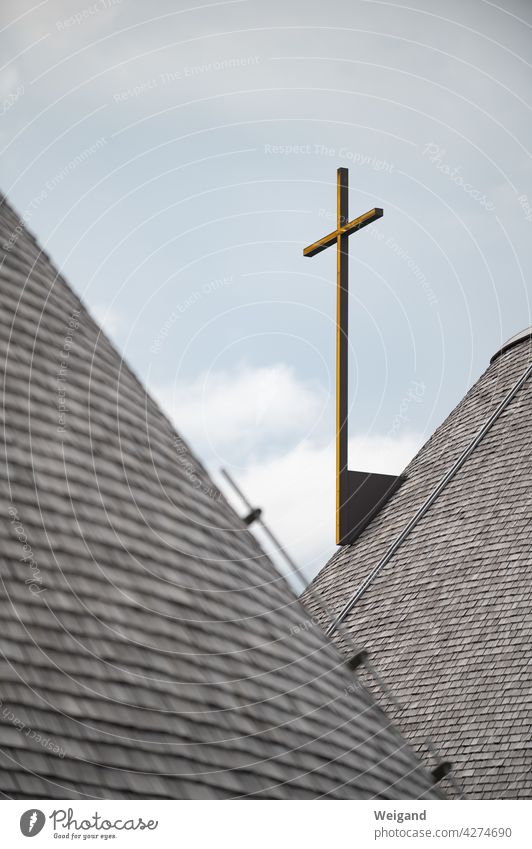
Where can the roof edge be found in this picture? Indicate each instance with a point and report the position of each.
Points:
(514, 340)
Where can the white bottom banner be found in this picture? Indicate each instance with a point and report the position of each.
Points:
(255, 824)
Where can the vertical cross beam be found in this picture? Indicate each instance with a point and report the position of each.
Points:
(342, 340)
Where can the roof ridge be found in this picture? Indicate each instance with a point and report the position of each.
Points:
(522, 336)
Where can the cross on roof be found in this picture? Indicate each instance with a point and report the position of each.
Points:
(359, 495)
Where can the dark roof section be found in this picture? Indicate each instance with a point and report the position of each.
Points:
(448, 620)
(149, 648)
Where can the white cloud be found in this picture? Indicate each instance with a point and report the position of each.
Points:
(262, 424)
(296, 490)
(245, 411)
(109, 319)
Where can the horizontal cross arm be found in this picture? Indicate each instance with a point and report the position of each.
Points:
(321, 244)
(346, 230)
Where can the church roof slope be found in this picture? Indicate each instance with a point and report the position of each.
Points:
(438, 587)
(149, 649)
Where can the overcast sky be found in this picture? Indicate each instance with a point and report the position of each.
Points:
(174, 158)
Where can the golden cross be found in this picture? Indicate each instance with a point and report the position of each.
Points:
(359, 495)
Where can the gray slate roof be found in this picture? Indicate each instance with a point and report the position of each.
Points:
(448, 621)
(148, 646)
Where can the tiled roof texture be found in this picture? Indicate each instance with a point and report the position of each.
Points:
(148, 647)
(448, 621)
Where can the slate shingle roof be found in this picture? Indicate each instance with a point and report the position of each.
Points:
(448, 621)
(148, 646)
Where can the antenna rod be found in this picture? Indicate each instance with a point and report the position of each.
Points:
(271, 536)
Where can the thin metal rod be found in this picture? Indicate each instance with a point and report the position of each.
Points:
(428, 503)
(278, 545)
(237, 489)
